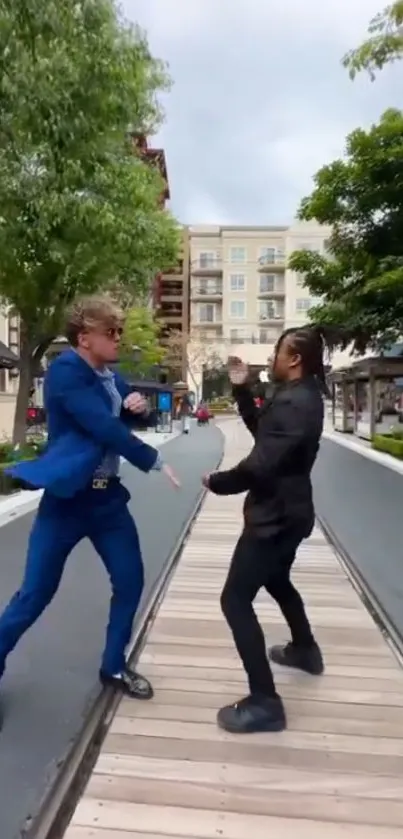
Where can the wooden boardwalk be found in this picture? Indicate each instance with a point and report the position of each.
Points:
(166, 770)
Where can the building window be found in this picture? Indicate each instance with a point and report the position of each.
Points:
(303, 304)
(237, 309)
(237, 336)
(206, 313)
(237, 255)
(267, 310)
(268, 336)
(267, 256)
(2, 380)
(208, 287)
(207, 259)
(237, 282)
(266, 282)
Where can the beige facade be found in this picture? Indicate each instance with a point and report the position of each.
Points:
(242, 293)
(8, 383)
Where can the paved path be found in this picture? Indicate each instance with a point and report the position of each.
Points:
(165, 770)
(53, 673)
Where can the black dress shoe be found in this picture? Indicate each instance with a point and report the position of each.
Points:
(308, 659)
(253, 714)
(130, 683)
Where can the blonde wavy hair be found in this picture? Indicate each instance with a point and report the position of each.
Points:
(91, 312)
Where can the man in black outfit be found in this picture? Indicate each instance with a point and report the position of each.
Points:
(278, 515)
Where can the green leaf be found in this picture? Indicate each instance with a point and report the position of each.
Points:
(360, 281)
(384, 46)
(80, 210)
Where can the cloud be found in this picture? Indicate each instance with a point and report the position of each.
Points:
(260, 100)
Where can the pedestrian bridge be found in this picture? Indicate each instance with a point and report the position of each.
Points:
(166, 770)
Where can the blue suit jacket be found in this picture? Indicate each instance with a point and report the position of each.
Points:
(81, 428)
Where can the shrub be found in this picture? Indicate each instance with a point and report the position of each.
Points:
(9, 454)
(388, 444)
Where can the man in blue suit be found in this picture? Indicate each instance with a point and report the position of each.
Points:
(90, 414)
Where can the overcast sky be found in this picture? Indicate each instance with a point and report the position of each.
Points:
(260, 100)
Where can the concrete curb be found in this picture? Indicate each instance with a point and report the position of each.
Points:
(359, 448)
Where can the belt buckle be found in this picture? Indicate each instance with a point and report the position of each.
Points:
(100, 483)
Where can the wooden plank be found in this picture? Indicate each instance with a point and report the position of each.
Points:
(180, 730)
(167, 772)
(196, 657)
(338, 636)
(262, 778)
(297, 707)
(229, 751)
(297, 721)
(208, 824)
(246, 799)
(224, 649)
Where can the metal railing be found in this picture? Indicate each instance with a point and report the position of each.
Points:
(207, 264)
(204, 289)
(272, 259)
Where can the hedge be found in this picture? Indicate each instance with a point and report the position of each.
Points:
(390, 445)
(222, 409)
(10, 455)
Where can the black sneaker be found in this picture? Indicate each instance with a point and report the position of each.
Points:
(253, 714)
(308, 659)
(129, 683)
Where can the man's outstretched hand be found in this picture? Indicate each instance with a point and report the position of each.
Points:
(171, 476)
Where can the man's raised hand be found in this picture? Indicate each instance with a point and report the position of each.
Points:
(238, 371)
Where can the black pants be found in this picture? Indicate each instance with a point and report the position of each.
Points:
(266, 563)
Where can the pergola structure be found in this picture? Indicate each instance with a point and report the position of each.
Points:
(366, 396)
(8, 360)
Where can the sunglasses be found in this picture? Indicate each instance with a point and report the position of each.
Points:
(114, 332)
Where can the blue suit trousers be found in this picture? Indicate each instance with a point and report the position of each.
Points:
(103, 517)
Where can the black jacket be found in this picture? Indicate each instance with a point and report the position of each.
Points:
(276, 473)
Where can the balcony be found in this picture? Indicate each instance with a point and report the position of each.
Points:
(271, 287)
(170, 312)
(261, 336)
(174, 273)
(206, 291)
(171, 293)
(206, 267)
(271, 317)
(209, 324)
(273, 261)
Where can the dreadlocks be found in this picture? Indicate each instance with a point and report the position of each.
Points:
(310, 343)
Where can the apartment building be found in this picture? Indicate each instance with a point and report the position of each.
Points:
(173, 307)
(242, 293)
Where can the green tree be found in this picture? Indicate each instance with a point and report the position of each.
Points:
(384, 45)
(360, 280)
(193, 359)
(142, 331)
(79, 209)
